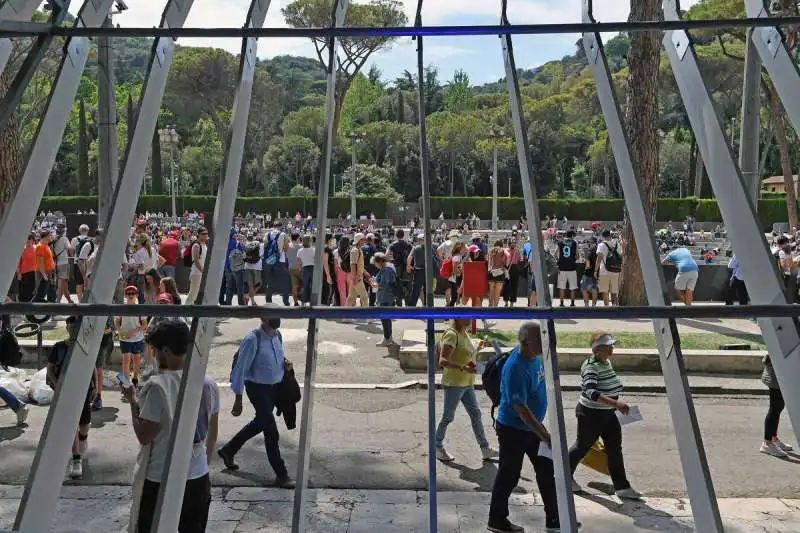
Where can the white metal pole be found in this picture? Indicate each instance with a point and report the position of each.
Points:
(494, 191)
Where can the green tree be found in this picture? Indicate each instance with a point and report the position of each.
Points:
(306, 122)
(360, 103)
(293, 160)
(371, 180)
(458, 95)
(83, 150)
(156, 166)
(355, 50)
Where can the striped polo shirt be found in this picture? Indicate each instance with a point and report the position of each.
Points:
(598, 378)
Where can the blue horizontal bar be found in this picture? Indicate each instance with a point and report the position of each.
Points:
(406, 313)
(24, 29)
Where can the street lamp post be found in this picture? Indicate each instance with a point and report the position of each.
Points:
(170, 137)
(680, 188)
(355, 138)
(496, 135)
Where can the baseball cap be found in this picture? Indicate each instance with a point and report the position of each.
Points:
(131, 289)
(454, 233)
(603, 340)
(474, 248)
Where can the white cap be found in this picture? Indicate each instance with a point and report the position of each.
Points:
(604, 340)
(358, 237)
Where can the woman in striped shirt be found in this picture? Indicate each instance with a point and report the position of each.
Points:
(599, 399)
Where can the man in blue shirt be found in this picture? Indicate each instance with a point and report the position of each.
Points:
(523, 405)
(258, 370)
(688, 272)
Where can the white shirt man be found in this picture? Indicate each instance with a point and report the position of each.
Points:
(607, 281)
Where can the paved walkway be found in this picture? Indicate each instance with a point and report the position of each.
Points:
(103, 509)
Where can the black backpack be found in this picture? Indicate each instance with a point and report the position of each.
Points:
(252, 252)
(491, 378)
(258, 346)
(10, 354)
(82, 241)
(614, 260)
(344, 258)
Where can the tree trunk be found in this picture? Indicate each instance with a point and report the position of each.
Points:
(786, 165)
(10, 151)
(699, 172)
(131, 121)
(156, 167)
(83, 151)
(642, 119)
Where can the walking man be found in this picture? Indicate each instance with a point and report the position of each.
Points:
(258, 370)
(276, 268)
(523, 405)
(416, 267)
(46, 266)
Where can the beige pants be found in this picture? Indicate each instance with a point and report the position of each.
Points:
(194, 288)
(608, 282)
(357, 290)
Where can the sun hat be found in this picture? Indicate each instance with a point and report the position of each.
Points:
(603, 340)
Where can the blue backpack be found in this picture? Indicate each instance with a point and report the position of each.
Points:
(491, 378)
(271, 253)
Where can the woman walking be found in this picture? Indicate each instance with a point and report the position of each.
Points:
(305, 262)
(772, 445)
(384, 282)
(342, 277)
(514, 271)
(144, 258)
(131, 338)
(498, 272)
(599, 399)
(457, 275)
(457, 358)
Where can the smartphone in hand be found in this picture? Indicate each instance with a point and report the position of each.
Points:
(123, 381)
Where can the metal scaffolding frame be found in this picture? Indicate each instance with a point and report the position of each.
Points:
(684, 419)
(764, 282)
(736, 198)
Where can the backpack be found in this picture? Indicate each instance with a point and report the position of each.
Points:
(252, 252)
(446, 270)
(400, 251)
(271, 250)
(81, 242)
(491, 378)
(10, 354)
(344, 259)
(237, 260)
(187, 256)
(614, 260)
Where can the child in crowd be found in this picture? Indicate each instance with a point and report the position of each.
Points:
(131, 338)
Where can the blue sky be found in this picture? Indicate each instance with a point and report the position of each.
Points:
(480, 57)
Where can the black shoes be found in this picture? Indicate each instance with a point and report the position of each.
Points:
(504, 526)
(227, 458)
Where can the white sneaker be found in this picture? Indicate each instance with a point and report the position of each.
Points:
(772, 449)
(576, 487)
(22, 415)
(443, 456)
(629, 494)
(489, 453)
(76, 469)
(782, 445)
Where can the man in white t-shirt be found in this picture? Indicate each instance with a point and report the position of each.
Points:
(198, 252)
(607, 268)
(79, 243)
(253, 254)
(152, 415)
(62, 252)
(276, 268)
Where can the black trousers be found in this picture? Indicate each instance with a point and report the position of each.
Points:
(776, 405)
(194, 511)
(515, 444)
(594, 424)
(27, 287)
(417, 286)
(738, 291)
(512, 284)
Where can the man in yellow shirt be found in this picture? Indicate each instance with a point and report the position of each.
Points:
(457, 358)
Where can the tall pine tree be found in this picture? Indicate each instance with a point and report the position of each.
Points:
(83, 151)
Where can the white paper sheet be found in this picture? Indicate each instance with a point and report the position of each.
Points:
(634, 415)
(545, 451)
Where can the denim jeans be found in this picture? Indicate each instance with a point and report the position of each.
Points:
(307, 275)
(452, 397)
(234, 283)
(13, 403)
(168, 271)
(276, 279)
(263, 398)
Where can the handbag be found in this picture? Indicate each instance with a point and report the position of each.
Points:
(597, 458)
(495, 272)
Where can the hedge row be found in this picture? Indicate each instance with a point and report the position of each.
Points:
(366, 205)
(676, 209)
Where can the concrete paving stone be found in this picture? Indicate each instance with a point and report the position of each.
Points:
(259, 494)
(363, 496)
(8, 511)
(92, 515)
(749, 509)
(481, 498)
(472, 518)
(277, 517)
(95, 492)
(11, 491)
(402, 518)
(792, 504)
(217, 526)
(222, 511)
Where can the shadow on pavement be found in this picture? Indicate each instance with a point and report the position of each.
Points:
(482, 477)
(104, 416)
(722, 330)
(643, 516)
(10, 433)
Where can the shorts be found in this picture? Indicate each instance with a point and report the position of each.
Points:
(77, 276)
(294, 276)
(86, 409)
(608, 283)
(567, 279)
(588, 283)
(131, 347)
(497, 279)
(685, 281)
(63, 271)
(252, 277)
